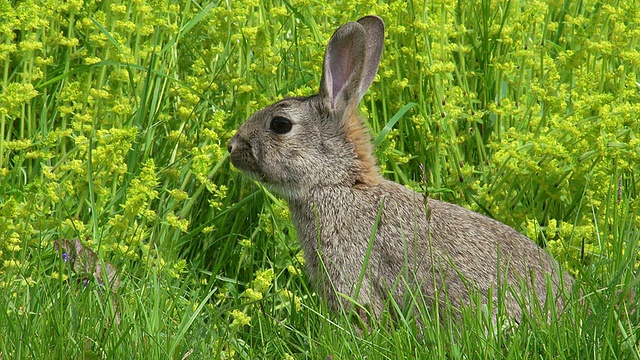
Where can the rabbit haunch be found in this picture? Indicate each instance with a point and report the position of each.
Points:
(317, 153)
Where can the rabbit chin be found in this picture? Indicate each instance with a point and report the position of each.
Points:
(289, 190)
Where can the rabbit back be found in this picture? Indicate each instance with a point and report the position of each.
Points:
(453, 249)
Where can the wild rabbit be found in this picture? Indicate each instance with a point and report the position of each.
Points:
(316, 152)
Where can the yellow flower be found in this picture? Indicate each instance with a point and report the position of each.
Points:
(290, 297)
(55, 275)
(293, 270)
(240, 318)
(13, 247)
(208, 229)
(245, 88)
(178, 268)
(263, 280)
(29, 45)
(179, 195)
(175, 221)
(90, 60)
(279, 11)
(252, 295)
(9, 264)
(27, 281)
(552, 228)
(118, 8)
(532, 229)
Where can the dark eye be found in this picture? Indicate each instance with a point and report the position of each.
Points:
(280, 125)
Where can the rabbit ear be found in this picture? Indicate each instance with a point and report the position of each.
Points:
(374, 27)
(351, 62)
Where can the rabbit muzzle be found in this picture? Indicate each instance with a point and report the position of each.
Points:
(242, 156)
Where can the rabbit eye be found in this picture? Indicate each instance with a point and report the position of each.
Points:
(280, 125)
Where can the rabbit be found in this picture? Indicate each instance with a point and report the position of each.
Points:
(366, 238)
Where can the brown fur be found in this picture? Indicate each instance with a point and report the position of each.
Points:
(356, 134)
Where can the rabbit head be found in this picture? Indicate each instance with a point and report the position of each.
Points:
(297, 144)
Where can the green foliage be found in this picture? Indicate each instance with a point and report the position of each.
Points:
(114, 118)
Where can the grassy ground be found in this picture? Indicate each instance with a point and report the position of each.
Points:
(114, 119)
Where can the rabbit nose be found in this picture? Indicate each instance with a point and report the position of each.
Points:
(231, 144)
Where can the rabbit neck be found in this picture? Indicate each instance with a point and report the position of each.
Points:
(318, 216)
(357, 134)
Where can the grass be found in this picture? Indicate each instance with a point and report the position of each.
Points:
(114, 119)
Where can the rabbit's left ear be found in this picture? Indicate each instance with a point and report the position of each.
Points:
(351, 62)
(374, 27)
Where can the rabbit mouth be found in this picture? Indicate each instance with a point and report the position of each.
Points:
(242, 157)
(249, 166)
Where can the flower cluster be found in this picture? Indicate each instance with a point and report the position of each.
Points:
(104, 129)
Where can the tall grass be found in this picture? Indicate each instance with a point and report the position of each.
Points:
(114, 119)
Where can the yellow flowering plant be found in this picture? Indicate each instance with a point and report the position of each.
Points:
(114, 120)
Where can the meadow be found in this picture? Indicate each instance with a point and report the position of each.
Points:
(114, 120)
